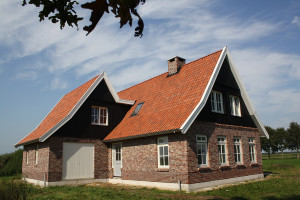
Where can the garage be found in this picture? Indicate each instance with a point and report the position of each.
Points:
(78, 160)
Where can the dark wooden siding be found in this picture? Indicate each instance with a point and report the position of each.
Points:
(80, 125)
(226, 84)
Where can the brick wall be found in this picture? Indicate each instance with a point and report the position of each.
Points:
(214, 171)
(31, 169)
(51, 159)
(140, 159)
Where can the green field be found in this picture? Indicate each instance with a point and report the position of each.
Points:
(282, 183)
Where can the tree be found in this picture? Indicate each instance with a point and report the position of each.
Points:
(293, 139)
(269, 145)
(280, 139)
(63, 11)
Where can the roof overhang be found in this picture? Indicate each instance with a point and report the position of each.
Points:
(101, 77)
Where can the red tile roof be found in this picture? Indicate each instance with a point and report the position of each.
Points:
(59, 112)
(168, 100)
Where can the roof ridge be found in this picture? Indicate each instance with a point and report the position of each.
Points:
(82, 85)
(143, 82)
(167, 72)
(203, 57)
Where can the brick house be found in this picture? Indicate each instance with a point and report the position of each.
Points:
(191, 127)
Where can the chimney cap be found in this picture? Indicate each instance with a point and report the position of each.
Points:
(179, 58)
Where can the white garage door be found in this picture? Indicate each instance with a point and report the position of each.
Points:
(78, 160)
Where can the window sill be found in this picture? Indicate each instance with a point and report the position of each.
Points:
(163, 169)
(240, 166)
(254, 165)
(225, 168)
(204, 170)
(99, 124)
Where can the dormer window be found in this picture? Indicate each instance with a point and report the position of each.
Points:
(216, 102)
(99, 116)
(235, 106)
(137, 109)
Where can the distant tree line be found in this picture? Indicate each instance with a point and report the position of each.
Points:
(281, 139)
(11, 163)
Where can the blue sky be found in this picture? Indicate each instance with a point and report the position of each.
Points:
(39, 63)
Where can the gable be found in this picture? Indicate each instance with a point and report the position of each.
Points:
(227, 85)
(65, 109)
(226, 55)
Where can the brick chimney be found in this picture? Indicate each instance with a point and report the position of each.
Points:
(174, 65)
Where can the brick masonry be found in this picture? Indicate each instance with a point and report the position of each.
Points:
(140, 157)
(51, 159)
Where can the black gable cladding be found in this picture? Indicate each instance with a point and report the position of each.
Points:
(226, 84)
(80, 125)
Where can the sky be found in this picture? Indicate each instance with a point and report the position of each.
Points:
(39, 62)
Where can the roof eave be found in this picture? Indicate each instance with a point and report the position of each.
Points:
(144, 135)
(187, 124)
(78, 105)
(26, 143)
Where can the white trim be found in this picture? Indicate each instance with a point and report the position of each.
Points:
(202, 142)
(163, 144)
(188, 122)
(79, 104)
(225, 52)
(159, 185)
(64, 182)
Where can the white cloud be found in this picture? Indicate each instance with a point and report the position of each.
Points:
(272, 80)
(58, 84)
(28, 75)
(296, 21)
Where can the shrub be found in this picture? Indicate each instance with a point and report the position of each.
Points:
(13, 189)
(11, 164)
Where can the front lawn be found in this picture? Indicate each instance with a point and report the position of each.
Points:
(282, 183)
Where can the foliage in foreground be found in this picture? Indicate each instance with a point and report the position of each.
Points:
(284, 183)
(12, 189)
(63, 11)
(11, 164)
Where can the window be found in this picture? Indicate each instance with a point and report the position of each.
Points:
(216, 102)
(235, 106)
(252, 150)
(99, 116)
(137, 109)
(222, 150)
(201, 150)
(36, 154)
(163, 152)
(26, 154)
(237, 150)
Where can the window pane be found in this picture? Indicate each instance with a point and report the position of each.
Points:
(161, 151)
(204, 160)
(161, 160)
(166, 150)
(166, 160)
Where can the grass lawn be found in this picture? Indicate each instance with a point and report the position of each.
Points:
(283, 183)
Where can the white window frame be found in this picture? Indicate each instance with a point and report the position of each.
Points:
(235, 106)
(98, 116)
(202, 144)
(37, 154)
(27, 153)
(114, 152)
(222, 150)
(252, 152)
(216, 102)
(237, 145)
(162, 144)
